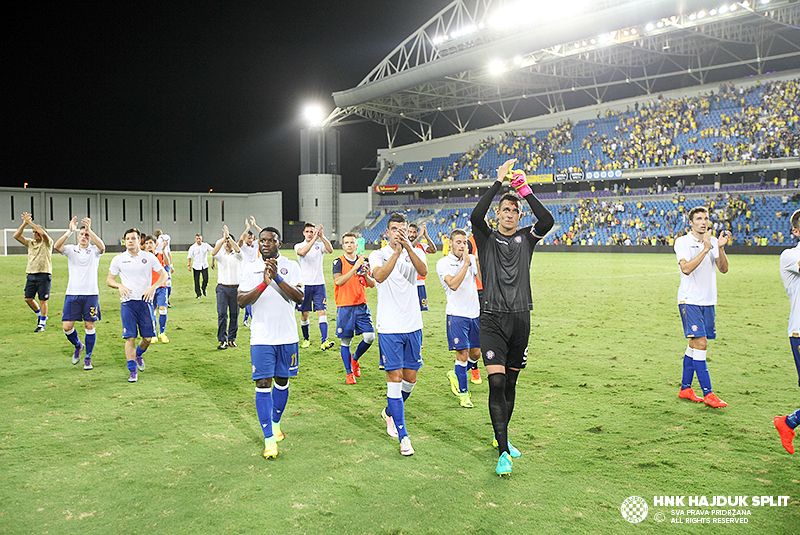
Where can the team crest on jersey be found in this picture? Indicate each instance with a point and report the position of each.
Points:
(518, 239)
(284, 271)
(489, 355)
(408, 259)
(144, 260)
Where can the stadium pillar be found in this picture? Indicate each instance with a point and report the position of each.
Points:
(319, 182)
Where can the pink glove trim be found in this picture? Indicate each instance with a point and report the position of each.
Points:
(521, 186)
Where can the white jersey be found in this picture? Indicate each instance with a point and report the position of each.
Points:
(700, 286)
(199, 255)
(249, 252)
(398, 301)
(135, 272)
(82, 264)
(273, 320)
(162, 244)
(311, 263)
(463, 301)
(790, 273)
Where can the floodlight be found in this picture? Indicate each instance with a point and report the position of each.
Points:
(649, 27)
(496, 67)
(660, 24)
(764, 2)
(313, 114)
(733, 7)
(518, 60)
(712, 12)
(701, 14)
(723, 9)
(693, 16)
(633, 31)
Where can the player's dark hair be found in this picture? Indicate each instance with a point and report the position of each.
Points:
(196, 235)
(271, 229)
(511, 197)
(457, 231)
(250, 232)
(136, 230)
(349, 235)
(152, 239)
(397, 217)
(413, 225)
(309, 224)
(796, 219)
(695, 210)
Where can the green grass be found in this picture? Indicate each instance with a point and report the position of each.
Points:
(597, 419)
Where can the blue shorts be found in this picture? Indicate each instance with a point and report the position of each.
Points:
(423, 297)
(795, 343)
(137, 318)
(275, 361)
(81, 308)
(401, 351)
(160, 297)
(353, 320)
(462, 333)
(315, 298)
(38, 283)
(698, 321)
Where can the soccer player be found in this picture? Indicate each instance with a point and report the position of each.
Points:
(229, 268)
(39, 269)
(430, 248)
(197, 259)
(350, 276)
(457, 272)
(505, 260)
(472, 248)
(249, 247)
(159, 303)
(699, 255)
(136, 292)
(309, 255)
(395, 268)
(272, 284)
(163, 248)
(361, 244)
(81, 302)
(790, 274)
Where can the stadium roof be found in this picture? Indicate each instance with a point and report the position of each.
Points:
(527, 58)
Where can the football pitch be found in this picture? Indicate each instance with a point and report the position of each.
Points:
(597, 419)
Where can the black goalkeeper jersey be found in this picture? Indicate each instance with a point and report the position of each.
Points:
(506, 260)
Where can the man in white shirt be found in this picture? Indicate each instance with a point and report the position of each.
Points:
(136, 290)
(272, 284)
(82, 297)
(249, 246)
(229, 266)
(395, 268)
(309, 256)
(790, 274)
(457, 272)
(197, 260)
(699, 255)
(416, 238)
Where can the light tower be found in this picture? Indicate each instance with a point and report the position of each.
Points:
(320, 181)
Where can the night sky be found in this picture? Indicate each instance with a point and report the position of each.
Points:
(189, 97)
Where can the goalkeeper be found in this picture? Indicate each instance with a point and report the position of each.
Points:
(505, 320)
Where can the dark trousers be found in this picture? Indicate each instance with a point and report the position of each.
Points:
(197, 273)
(227, 304)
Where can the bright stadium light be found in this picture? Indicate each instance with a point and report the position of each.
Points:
(496, 67)
(733, 7)
(313, 114)
(650, 26)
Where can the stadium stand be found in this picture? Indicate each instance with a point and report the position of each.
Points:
(735, 124)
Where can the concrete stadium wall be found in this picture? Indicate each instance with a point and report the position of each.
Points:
(181, 215)
(319, 201)
(352, 209)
